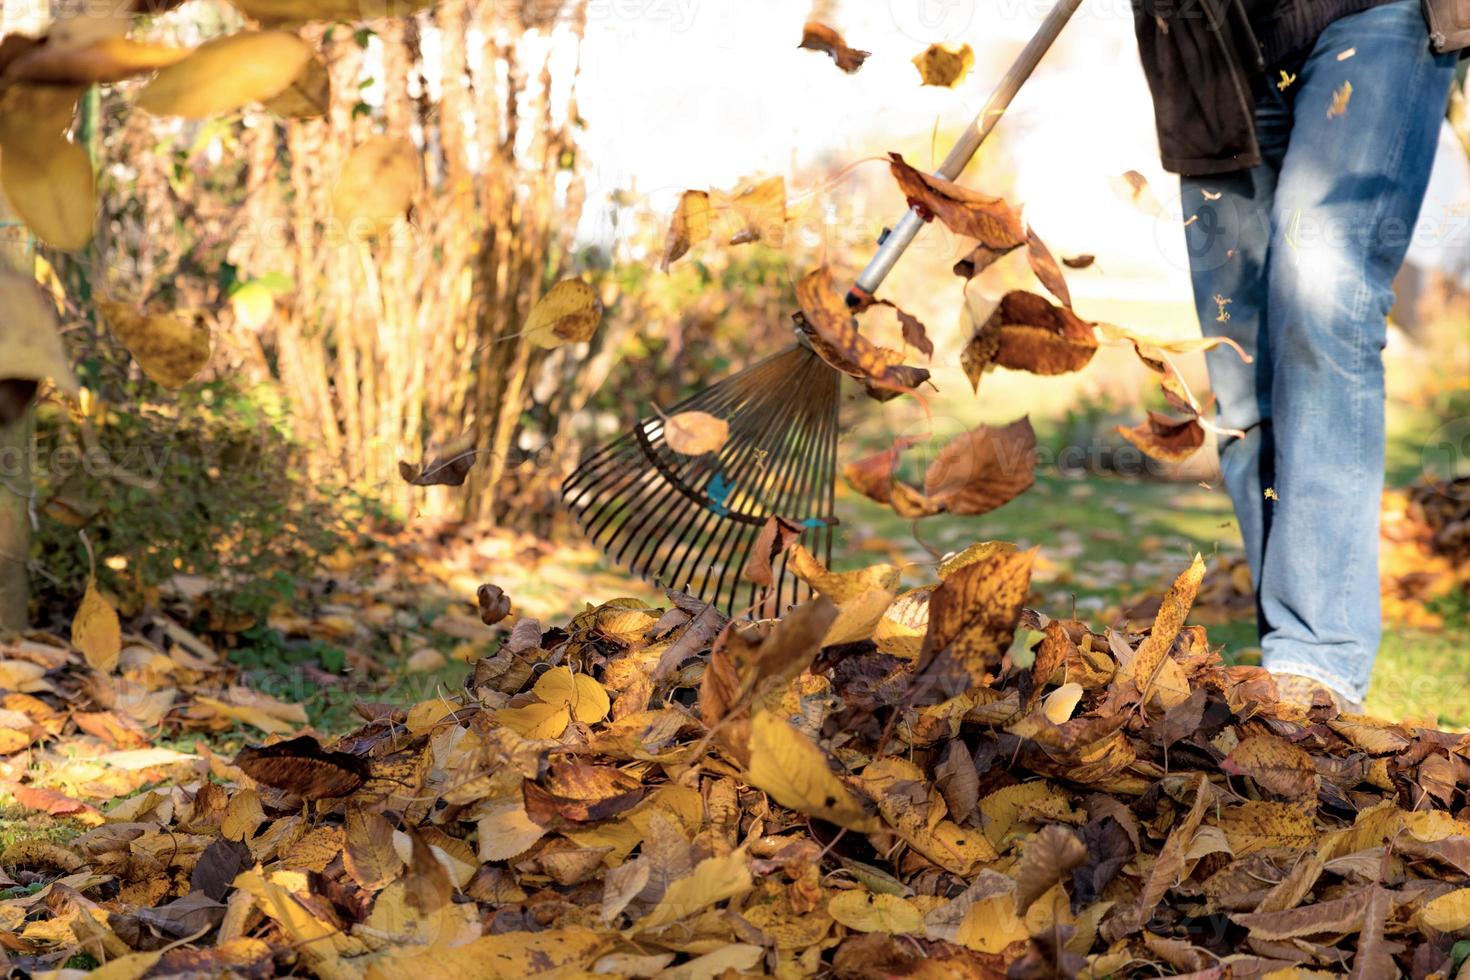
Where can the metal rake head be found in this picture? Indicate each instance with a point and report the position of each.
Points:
(691, 522)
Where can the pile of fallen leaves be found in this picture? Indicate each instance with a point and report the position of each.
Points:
(1426, 549)
(934, 782)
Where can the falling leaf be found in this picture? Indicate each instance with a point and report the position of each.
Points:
(1345, 55)
(226, 73)
(980, 258)
(1046, 269)
(1287, 80)
(820, 37)
(943, 64)
(834, 334)
(914, 332)
(1340, 97)
(776, 535)
(46, 178)
(695, 433)
(447, 467)
(984, 468)
(689, 226)
(965, 212)
(171, 347)
(494, 603)
(96, 630)
(1083, 261)
(1164, 438)
(1031, 334)
(754, 212)
(309, 94)
(1133, 187)
(302, 767)
(569, 312)
(376, 185)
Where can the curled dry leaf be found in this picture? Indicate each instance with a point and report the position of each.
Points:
(1083, 261)
(1046, 268)
(171, 347)
(448, 467)
(225, 74)
(980, 258)
(972, 620)
(1164, 438)
(1033, 334)
(378, 182)
(819, 37)
(914, 332)
(944, 64)
(776, 535)
(965, 212)
(695, 433)
(47, 178)
(494, 603)
(569, 313)
(754, 212)
(834, 335)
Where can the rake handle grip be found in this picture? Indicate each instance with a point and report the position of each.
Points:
(903, 233)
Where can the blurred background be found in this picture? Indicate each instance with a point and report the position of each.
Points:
(261, 506)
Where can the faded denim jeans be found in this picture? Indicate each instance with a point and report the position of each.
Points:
(1295, 260)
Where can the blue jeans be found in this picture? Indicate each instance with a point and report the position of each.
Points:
(1295, 261)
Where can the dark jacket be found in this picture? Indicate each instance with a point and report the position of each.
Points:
(1202, 59)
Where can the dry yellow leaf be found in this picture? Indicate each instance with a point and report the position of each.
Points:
(29, 340)
(570, 312)
(688, 227)
(793, 771)
(1447, 913)
(129, 967)
(535, 720)
(50, 185)
(1059, 704)
(305, 11)
(170, 347)
(308, 95)
(225, 74)
(753, 213)
(377, 184)
(581, 695)
(243, 815)
(992, 924)
(95, 630)
(858, 617)
(944, 65)
(867, 912)
(695, 433)
(713, 880)
(505, 829)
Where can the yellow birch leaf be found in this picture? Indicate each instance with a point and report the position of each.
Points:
(170, 347)
(713, 880)
(866, 912)
(1449, 912)
(96, 631)
(535, 720)
(945, 65)
(793, 771)
(1059, 704)
(581, 695)
(50, 184)
(992, 924)
(225, 74)
(505, 829)
(570, 312)
(129, 967)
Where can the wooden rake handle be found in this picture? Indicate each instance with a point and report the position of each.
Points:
(902, 234)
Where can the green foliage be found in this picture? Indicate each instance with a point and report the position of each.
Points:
(203, 494)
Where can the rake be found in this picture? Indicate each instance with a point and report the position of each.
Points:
(693, 522)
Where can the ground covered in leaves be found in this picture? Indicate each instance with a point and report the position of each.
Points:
(937, 782)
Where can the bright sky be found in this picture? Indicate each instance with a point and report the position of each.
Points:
(698, 93)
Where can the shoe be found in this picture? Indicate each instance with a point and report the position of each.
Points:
(1304, 692)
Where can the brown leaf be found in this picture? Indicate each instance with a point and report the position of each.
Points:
(754, 212)
(834, 335)
(965, 212)
(695, 433)
(1340, 916)
(1037, 336)
(1165, 438)
(1083, 261)
(1047, 857)
(745, 662)
(972, 620)
(1275, 764)
(914, 333)
(980, 258)
(448, 467)
(494, 603)
(775, 536)
(820, 37)
(580, 793)
(1046, 268)
(873, 476)
(426, 883)
(982, 469)
(369, 857)
(302, 767)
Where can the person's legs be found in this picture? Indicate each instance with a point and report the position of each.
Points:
(1347, 195)
(1228, 236)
